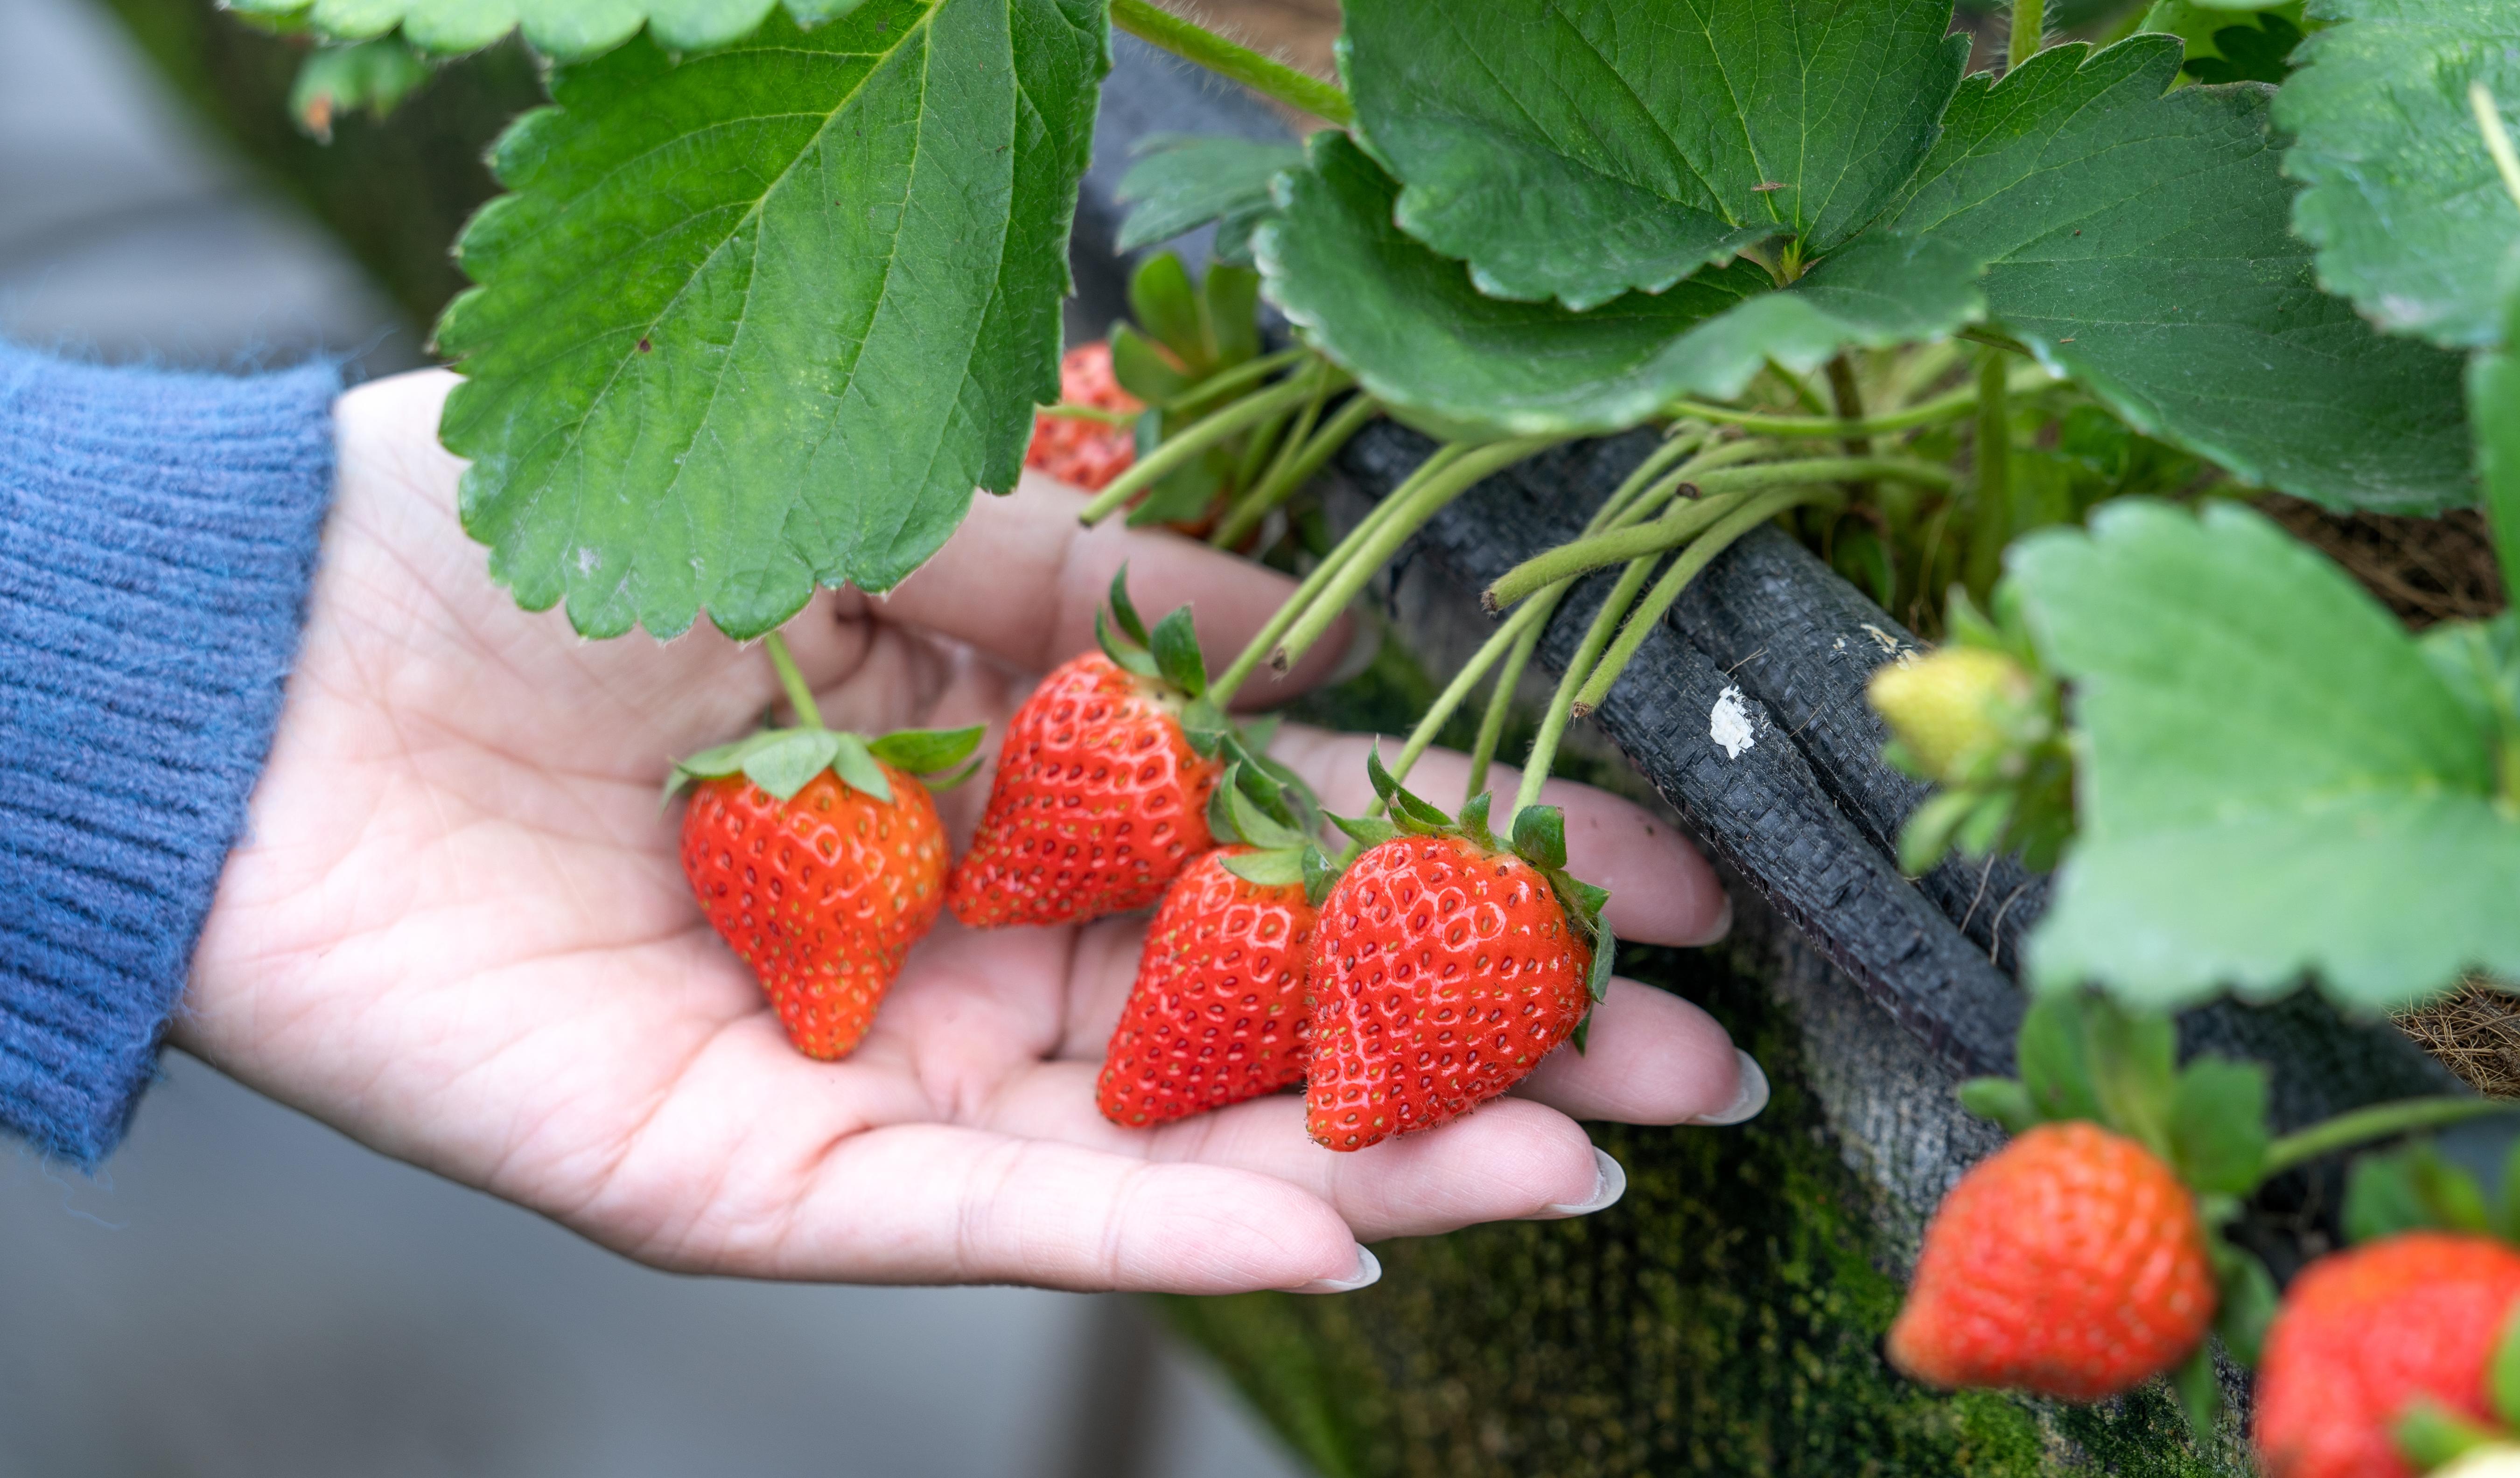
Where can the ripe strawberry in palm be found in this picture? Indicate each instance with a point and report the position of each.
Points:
(2406, 1326)
(1102, 783)
(1080, 449)
(2071, 1263)
(819, 859)
(1445, 965)
(1217, 1014)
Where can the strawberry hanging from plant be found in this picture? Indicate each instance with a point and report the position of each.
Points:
(1089, 438)
(1102, 783)
(819, 859)
(2401, 1355)
(1218, 1013)
(1445, 965)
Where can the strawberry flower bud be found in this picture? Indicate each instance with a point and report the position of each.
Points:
(1950, 708)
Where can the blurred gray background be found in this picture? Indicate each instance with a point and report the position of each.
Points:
(245, 1292)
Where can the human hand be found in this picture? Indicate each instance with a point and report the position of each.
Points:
(458, 930)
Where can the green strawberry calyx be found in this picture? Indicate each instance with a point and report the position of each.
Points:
(1539, 840)
(1168, 659)
(783, 761)
(1278, 822)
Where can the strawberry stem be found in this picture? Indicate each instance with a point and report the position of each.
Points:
(1183, 449)
(1261, 642)
(1457, 476)
(2379, 1121)
(1618, 545)
(800, 697)
(1951, 407)
(1700, 553)
(1270, 79)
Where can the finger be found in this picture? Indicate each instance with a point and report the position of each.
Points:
(1507, 1159)
(1661, 891)
(934, 1204)
(1021, 580)
(1649, 1057)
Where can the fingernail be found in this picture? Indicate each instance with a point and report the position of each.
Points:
(1609, 1183)
(1722, 928)
(1367, 1270)
(1748, 1100)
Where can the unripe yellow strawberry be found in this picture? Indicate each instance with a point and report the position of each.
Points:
(1947, 705)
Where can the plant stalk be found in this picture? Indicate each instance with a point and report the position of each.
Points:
(1215, 386)
(1993, 527)
(1072, 410)
(1951, 407)
(809, 714)
(1509, 635)
(1465, 472)
(1618, 545)
(2379, 1121)
(1560, 711)
(2029, 29)
(1257, 649)
(1697, 556)
(1501, 697)
(1270, 79)
(1192, 441)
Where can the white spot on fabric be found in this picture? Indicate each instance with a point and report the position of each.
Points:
(1729, 724)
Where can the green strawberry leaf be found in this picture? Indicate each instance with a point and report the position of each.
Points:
(2275, 783)
(2200, 1391)
(2138, 242)
(1365, 831)
(1277, 868)
(1540, 837)
(2218, 1126)
(1165, 304)
(333, 80)
(1576, 151)
(1417, 333)
(2502, 1374)
(927, 751)
(2410, 1190)
(1125, 654)
(760, 320)
(1182, 182)
(1177, 654)
(2245, 1298)
(2055, 1067)
(1124, 611)
(853, 762)
(1407, 809)
(2401, 198)
(565, 30)
(2259, 53)
(2001, 1099)
(1144, 371)
(1256, 826)
(1229, 298)
(781, 761)
(1321, 875)
(1606, 955)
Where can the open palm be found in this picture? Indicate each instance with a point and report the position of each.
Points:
(457, 929)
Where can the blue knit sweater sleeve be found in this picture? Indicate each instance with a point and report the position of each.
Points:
(157, 534)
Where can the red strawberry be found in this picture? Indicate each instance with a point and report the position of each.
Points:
(2364, 1334)
(2070, 1263)
(819, 859)
(1074, 448)
(1103, 785)
(823, 894)
(1217, 1014)
(1444, 968)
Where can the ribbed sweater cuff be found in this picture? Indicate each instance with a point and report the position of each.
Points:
(158, 535)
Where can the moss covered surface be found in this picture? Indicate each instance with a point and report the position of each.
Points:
(1725, 1317)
